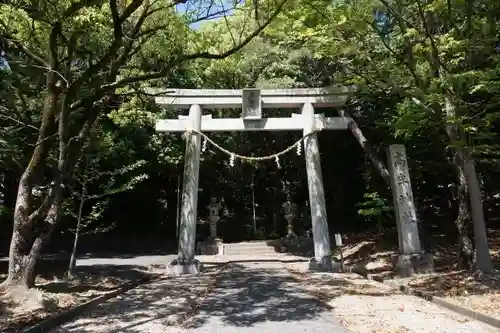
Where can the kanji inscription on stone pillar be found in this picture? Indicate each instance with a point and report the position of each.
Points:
(409, 241)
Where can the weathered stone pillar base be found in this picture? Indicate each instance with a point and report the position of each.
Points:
(408, 264)
(184, 266)
(325, 264)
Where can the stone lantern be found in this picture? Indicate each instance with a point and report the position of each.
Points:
(290, 213)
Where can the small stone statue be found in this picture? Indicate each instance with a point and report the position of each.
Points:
(290, 212)
(213, 215)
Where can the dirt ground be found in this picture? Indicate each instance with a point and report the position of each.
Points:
(53, 294)
(473, 290)
(367, 306)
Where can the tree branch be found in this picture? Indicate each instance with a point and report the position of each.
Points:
(131, 9)
(112, 51)
(202, 55)
(75, 7)
(210, 16)
(17, 121)
(117, 26)
(435, 51)
(32, 55)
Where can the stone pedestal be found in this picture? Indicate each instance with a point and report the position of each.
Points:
(212, 246)
(408, 264)
(186, 266)
(219, 246)
(289, 220)
(325, 264)
(213, 228)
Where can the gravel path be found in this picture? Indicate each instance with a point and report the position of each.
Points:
(370, 307)
(261, 297)
(265, 298)
(155, 307)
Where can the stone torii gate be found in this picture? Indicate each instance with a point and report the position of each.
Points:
(252, 101)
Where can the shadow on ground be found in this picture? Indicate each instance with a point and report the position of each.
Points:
(128, 255)
(101, 278)
(58, 293)
(240, 297)
(245, 297)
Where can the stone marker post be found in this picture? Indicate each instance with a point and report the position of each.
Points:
(185, 263)
(321, 237)
(411, 259)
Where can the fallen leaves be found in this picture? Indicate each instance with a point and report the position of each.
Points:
(50, 298)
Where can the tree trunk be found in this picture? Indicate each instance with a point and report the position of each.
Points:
(468, 188)
(28, 237)
(367, 148)
(483, 258)
(466, 252)
(21, 253)
(22, 265)
(72, 260)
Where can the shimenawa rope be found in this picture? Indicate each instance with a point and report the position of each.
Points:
(274, 156)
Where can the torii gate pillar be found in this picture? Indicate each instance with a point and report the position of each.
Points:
(186, 263)
(322, 260)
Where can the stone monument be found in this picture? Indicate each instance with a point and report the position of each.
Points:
(290, 211)
(411, 259)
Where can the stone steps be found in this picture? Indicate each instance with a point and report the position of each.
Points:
(249, 251)
(249, 248)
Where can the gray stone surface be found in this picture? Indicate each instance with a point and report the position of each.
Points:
(319, 219)
(254, 297)
(211, 246)
(179, 267)
(140, 261)
(404, 206)
(262, 297)
(326, 264)
(189, 203)
(409, 264)
(126, 260)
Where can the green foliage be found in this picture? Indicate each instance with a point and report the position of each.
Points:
(96, 182)
(404, 72)
(374, 207)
